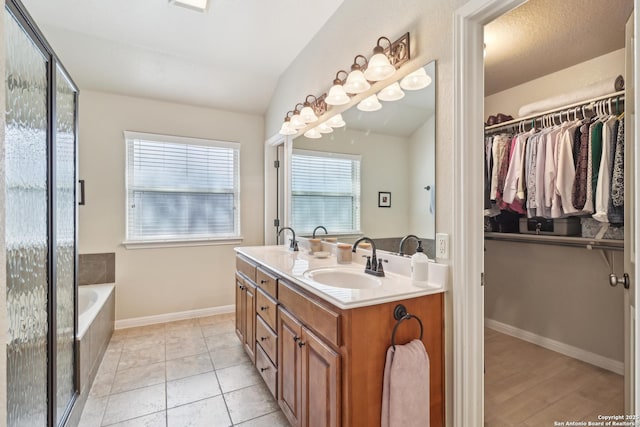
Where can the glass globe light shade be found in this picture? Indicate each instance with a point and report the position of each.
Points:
(370, 103)
(337, 95)
(356, 83)
(287, 129)
(419, 79)
(313, 134)
(308, 115)
(336, 121)
(297, 122)
(391, 93)
(324, 128)
(379, 68)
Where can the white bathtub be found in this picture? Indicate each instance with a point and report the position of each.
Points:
(91, 299)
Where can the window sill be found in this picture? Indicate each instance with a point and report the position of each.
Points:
(154, 244)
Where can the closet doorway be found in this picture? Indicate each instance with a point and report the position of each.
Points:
(556, 333)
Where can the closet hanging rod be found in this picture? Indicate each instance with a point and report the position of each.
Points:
(576, 242)
(511, 123)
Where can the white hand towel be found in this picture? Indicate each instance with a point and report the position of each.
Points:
(405, 393)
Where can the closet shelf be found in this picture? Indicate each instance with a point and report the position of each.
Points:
(587, 103)
(577, 242)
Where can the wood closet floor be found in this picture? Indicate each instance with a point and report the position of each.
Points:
(527, 385)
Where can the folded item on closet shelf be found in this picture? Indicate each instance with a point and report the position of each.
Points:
(600, 88)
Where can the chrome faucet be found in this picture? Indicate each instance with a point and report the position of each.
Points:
(294, 243)
(402, 242)
(373, 265)
(316, 229)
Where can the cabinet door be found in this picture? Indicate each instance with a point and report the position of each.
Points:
(250, 320)
(290, 367)
(240, 309)
(321, 383)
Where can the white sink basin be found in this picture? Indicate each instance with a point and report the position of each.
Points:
(349, 278)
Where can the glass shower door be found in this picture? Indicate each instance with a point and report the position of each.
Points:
(65, 220)
(27, 245)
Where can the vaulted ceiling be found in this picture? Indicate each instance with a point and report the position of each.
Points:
(229, 57)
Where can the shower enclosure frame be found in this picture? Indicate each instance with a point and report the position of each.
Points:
(24, 19)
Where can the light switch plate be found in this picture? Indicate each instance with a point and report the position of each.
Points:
(442, 246)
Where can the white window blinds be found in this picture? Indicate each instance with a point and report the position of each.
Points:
(325, 190)
(181, 188)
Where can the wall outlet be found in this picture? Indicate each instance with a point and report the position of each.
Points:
(442, 246)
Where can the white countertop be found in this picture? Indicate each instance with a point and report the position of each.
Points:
(292, 265)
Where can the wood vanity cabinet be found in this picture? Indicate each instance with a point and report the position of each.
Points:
(246, 306)
(324, 364)
(309, 376)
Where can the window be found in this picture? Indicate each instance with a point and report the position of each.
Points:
(325, 190)
(181, 188)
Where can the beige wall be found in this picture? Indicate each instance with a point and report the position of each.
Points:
(383, 168)
(509, 101)
(556, 292)
(163, 280)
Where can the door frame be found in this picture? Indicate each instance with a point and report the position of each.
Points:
(468, 234)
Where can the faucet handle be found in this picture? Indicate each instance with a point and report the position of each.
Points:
(380, 269)
(368, 267)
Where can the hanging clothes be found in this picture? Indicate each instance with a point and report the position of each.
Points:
(575, 168)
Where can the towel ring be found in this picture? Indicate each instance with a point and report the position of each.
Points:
(400, 314)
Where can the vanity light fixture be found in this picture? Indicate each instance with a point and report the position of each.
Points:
(370, 103)
(307, 114)
(324, 128)
(336, 121)
(287, 128)
(313, 133)
(391, 93)
(356, 82)
(198, 5)
(337, 95)
(379, 67)
(416, 80)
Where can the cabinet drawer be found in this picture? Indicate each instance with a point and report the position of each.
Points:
(267, 339)
(267, 370)
(267, 282)
(246, 267)
(322, 320)
(266, 308)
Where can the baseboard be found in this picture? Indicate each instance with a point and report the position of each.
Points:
(557, 346)
(172, 317)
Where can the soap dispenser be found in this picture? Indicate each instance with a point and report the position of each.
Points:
(419, 267)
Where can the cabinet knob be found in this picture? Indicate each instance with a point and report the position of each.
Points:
(263, 308)
(262, 281)
(296, 338)
(264, 369)
(242, 288)
(301, 343)
(264, 338)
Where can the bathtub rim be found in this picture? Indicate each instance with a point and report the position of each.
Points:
(103, 291)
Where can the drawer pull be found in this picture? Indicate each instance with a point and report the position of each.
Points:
(301, 344)
(264, 308)
(264, 369)
(262, 281)
(264, 338)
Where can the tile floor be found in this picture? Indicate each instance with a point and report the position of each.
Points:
(530, 386)
(179, 374)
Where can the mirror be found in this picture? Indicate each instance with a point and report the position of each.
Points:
(393, 151)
